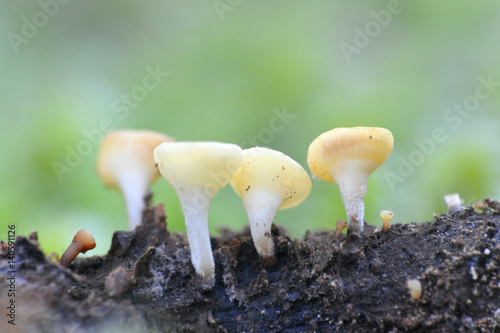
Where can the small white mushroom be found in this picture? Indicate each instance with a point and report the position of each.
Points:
(453, 202)
(197, 171)
(266, 181)
(125, 162)
(415, 288)
(386, 216)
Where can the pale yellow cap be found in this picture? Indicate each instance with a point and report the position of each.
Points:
(128, 150)
(206, 164)
(369, 147)
(264, 168)
(386, 214)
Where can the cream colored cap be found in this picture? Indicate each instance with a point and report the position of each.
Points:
(128, 150)
(368, 146)
(209, 165)
(264, 168)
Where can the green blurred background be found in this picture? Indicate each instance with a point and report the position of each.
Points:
(232, 67)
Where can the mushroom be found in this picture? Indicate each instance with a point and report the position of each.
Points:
(480, 205)
(266, 181)
(453, 202)
(347, 156)
(125, 162)
(341, 225)
(82, 242)
(197, 171)
(415, 288)
(386, 216)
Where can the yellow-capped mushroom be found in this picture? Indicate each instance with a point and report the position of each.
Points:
(386, 216)
(197, 171)
(266, 181)
(125, 162)
(347, 156)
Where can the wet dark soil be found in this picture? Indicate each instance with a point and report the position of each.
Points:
(320, 283)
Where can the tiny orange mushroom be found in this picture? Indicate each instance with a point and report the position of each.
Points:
(82, 242)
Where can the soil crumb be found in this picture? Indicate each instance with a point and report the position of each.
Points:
(320, 283)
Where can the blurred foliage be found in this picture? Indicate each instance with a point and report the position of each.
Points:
(228, 74)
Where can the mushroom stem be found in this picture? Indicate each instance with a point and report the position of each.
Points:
(386, 216)
(261, 207)
(134, 188)
(352, 186)
(69, 255)
(195, 206)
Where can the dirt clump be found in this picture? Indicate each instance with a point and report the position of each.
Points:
(321, 283)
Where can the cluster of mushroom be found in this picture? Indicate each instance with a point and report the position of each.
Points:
(265, 179)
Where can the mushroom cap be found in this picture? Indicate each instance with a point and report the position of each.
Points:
(125, 151)
(264, 168)
(205, 164)
(341, 223)
(85, 238)
(335, 151)
(386, 214)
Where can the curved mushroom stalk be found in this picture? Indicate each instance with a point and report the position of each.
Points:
(261, 207)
